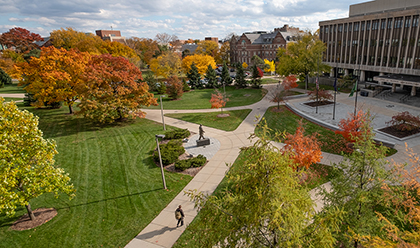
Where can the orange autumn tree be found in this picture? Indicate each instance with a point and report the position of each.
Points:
(218, 100)
(55, 76)
(113, 90)
(174, 87)
(305, 150)
(351, 127)
(289, 82)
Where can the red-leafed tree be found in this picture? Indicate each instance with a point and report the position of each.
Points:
(405, 121)
(351, 127)
(174, 87)
(55, 76)
(113, 90)
(20, 38)
(218, 100)
(282, 90)
(305, 150)
(289, 82)
(320, 96)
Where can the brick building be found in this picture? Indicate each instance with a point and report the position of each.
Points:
(379, 42)
(111, 35)
(261, 43)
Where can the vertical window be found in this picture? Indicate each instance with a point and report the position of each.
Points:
(362, 28)
(407, 21)
(389, 23)
(368, 25)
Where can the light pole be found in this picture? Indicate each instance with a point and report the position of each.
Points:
(161, 112)
(160, 158)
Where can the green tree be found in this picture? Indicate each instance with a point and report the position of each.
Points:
(303, 58)
(256, 76)
(211, 77)
(264, 205)
(226, 79)
(194, 77)
(357, 188)
(4, 78)
(174, 87)
(240, 81)
(256, 60)
(27, 167)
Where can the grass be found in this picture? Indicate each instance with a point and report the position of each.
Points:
(229, 123)
(269, 81)
(119, 188)
(200, 99)
(311, 86)
(11, 89)
(9, 99)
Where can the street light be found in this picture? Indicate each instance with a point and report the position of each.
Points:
(161, 112)
(160, 158)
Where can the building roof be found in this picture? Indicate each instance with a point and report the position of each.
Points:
(190, 46)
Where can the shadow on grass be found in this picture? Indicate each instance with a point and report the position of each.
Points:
(109, 199)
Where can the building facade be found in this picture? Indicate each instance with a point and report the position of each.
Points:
(379, 42)
(261, 43)
(111, 35)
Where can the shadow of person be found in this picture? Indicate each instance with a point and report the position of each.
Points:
(155, 233)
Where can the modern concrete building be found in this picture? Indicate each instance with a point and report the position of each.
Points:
(379, 42)
(261, 43)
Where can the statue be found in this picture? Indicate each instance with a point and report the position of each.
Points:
(201, 132)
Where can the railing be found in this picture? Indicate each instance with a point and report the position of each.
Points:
(384, 94)
(405, 98)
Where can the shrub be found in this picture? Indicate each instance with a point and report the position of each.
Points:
(404, 121)
(4, 78)
(177, 134)
(198, 161)
(323, 95)
(174, 88)
(169, 152)
(185, 86)
(182, 164)
(160, 88)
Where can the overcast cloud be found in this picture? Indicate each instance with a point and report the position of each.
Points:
(194, 19)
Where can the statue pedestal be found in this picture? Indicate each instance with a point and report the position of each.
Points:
(203, 142)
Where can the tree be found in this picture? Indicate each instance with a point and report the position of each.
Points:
(145, 48)
(166, 65)
(302, 58)
(174, 87)
(4, 78)
(55, 76)
(26, 161)
(211, 77)
(269, 66)
(208, 47)
(263, 205)
(304, 150)
(256, 76)
(165, 39)
(226, 79)
(194, 77)
(119, 49)
(350, 128)
(257, 61)
(357, 188)
(113, 90)
(21, 39)
(218, 100)
(282, 90)
(404, 121)
(244, 65)
(200, 61)
(240, 77)
(402, 223)
(69, 38)
(224, 53)
(320, 95)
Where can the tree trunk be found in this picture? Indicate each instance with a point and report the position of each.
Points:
(30, 213)
(71, 108)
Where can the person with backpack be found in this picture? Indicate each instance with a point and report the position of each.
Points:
(179, 215)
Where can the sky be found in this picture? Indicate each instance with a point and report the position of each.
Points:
(186, 19)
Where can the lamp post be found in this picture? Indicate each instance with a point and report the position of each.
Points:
(160, 158)
(161, 112)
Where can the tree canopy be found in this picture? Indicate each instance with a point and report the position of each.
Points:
(200, 61)
(166, 65)
(26, 161)
(20, 38)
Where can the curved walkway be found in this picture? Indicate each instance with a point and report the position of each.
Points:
(162, 231)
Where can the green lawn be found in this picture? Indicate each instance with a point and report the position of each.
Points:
(9, 99)
(311, 86)
(119, 188)
(200, 99)
(269, 81)
(11, 89)
(229, 123)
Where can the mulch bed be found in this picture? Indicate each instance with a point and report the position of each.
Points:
(320, 103)
(391, 130)
(42, 215)
(223, 115)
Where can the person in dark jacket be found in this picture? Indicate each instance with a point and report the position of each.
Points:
(180, 220)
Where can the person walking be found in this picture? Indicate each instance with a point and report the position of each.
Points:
(179, 215)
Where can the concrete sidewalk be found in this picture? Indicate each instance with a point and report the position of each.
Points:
(162, 231)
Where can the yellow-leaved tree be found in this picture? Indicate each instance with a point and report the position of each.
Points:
(270, 66)
(201, 61)
(166, 65)
(26, 161)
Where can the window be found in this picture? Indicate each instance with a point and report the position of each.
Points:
(350, 27)
(362, 27)
(356, 27)
(383, 24)
(345, 27)
(398, 23)
(340, 28)
(407, 21)
(368, 25)
(416, 21)
(389, 23)
(243, 42)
